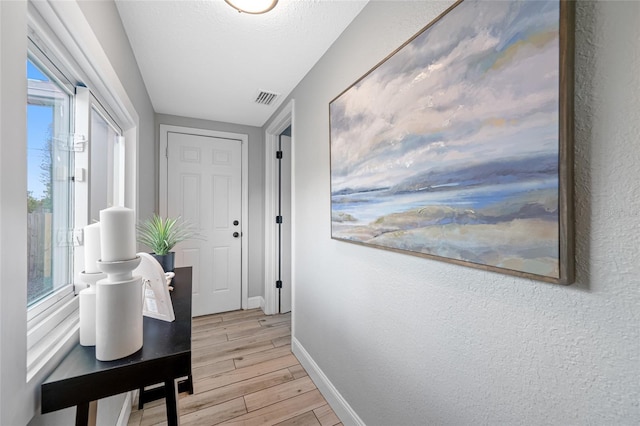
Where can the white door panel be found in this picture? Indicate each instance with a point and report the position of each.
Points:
(285, 203)
(204, 188)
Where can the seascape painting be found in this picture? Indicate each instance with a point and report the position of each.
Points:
(451, 147)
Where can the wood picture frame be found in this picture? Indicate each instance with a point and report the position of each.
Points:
(459, 145)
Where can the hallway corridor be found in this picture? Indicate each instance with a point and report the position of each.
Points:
(244, 374)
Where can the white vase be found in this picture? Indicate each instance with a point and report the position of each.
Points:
(118, 318)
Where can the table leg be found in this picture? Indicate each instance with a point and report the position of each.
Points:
(82, 414)
(190, 382)
(171, 398)
(86, 413)
(140, 398)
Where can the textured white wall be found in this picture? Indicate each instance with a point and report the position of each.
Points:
(410, 341)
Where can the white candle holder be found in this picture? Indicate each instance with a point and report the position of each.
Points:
(87, 300)
(119, 270)
(118, 310)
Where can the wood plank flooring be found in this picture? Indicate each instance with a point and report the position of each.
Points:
(244, 374)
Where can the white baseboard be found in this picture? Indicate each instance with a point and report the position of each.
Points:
(125, 412)
(340, 406)
(255, 302)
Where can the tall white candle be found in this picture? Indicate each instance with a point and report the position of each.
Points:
(117, 234)
(91, 248)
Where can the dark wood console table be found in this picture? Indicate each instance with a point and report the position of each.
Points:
(165, 356)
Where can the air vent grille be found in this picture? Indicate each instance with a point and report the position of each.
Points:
(266, 98)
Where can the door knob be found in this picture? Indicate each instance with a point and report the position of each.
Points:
(236, 235)
(236, 223)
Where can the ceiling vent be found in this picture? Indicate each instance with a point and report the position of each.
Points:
(266, 98)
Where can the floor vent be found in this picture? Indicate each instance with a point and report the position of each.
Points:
(266, 98)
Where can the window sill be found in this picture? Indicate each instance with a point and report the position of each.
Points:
(62, 330)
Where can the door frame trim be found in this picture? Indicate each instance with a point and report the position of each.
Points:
(284, 119)
(165, 129)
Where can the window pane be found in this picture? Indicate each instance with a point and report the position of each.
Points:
(49, 161)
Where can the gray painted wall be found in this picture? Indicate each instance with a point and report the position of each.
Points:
(407, 340)
(256, 188)
(13, 222)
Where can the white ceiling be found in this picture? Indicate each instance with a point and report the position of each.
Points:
(203, 59)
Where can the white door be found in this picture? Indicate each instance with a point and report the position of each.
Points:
(205, 188)
(285, 240)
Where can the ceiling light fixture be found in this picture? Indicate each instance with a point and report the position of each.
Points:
(254, 7)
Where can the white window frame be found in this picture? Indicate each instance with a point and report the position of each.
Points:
(54, 317)
(53, 321)
(63, 28)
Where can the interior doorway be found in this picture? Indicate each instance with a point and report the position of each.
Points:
(283, 222)
(191, 144)
(204, 181)
(279, 286)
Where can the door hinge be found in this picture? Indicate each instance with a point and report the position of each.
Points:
(279, 155)
(278, 219)
(278, 284)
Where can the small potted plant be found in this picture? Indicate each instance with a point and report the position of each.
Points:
(161, 235)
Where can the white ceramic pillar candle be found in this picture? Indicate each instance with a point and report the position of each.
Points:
(88, 308)
(117, 234)
(119, 296)
(88, 315)
(91, 248)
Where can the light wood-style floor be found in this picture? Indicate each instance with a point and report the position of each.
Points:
(244, 374)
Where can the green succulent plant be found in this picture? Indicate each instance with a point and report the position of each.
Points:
(162, 234)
